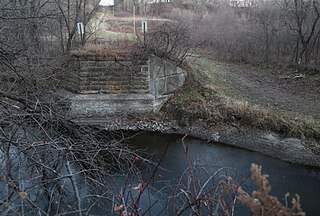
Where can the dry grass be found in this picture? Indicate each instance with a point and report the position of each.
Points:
(262, 203)
(194, 102)
(197, 100)
(258, 117)
(111, 50)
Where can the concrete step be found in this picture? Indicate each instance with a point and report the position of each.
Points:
(99, 105)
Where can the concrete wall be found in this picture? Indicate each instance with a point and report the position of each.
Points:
(165, 77)
(107, 76)
(103, 87)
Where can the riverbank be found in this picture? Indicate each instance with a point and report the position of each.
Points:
(288, 149)
(207, 113)
(220, 109)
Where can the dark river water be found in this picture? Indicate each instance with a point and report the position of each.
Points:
(284, 177)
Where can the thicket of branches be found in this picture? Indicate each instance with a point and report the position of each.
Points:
(48, 164)
(285, 32)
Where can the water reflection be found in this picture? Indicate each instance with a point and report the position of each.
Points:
(284, 177)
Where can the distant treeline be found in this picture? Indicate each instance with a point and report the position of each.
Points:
(285, 32)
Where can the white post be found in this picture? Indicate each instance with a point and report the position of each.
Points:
(80, 28)
(144, 29)
(144, 26)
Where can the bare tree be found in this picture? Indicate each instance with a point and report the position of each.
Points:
(267, 18)
(46, 160)
(302, 18)
(72, 12)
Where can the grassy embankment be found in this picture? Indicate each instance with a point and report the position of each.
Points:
(214, 95)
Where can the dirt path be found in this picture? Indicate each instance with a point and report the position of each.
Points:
(276, 89)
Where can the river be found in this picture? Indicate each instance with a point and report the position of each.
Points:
(208, 158)
(284, 177)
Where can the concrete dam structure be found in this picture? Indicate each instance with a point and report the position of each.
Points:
(112, 86)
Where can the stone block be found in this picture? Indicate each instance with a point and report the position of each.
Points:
(172, 83)
(160, 86)
(181, 71)
(170, 69)
(145, 69)
(157, 71)
(156, 67)
(182, 78)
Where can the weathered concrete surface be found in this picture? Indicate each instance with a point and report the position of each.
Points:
(165, 77)
(108, 76)
(288, 149)
(108, 87)
(93, 105)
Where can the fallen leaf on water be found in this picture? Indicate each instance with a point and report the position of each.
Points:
(23, 195)
(117, 207)
(139, 187)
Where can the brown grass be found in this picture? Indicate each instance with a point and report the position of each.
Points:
(194, 101)
(111, 50)
(262, 203)
(257, 117)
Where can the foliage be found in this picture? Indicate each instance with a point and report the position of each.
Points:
(195, 101)
(261, 203)
(49, 164)
(44, 154)
(112, 50)
(277, 32)
(172, 41)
